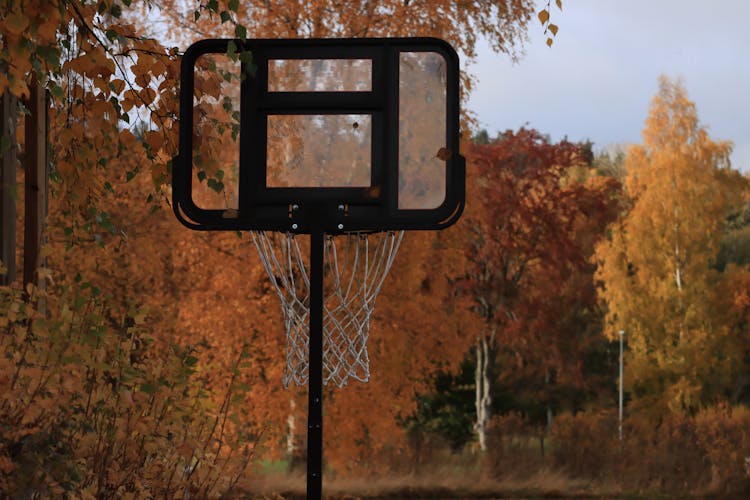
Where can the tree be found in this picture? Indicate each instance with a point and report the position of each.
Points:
(656, 273)
(113, 83)
(533, 227)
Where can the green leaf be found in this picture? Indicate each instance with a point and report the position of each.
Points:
(213, 5)
(232, 51)
(201, 176)
(240, 32)
(246, 56)
(196, 15)
(147, 388)
(116, 11)
(57, 91)
(225, 16)
(216, 185)
(234, 5)
(191, 361)
(50, 54)
(79, 302)
(220, 174)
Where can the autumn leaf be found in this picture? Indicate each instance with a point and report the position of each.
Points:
(117, 85)
(148, 95)
(127, 138)
(543, 16)
(154, 139)
(16, 23)
(444, 154)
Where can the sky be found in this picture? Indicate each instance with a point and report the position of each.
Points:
(597, 80)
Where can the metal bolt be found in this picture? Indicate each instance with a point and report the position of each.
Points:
(295, 207)
(341, 226)
(341, 208)
(294, 226)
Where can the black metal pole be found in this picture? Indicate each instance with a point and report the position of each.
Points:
(315, 373)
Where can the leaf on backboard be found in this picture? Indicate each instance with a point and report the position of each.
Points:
(443, 154)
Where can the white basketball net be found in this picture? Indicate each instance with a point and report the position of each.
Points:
(355, 267)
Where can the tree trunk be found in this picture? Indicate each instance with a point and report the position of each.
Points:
(483, 397)
(35, 167)
(291, 427)
(8, 149)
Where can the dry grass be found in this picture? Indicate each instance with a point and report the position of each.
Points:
(437, 484)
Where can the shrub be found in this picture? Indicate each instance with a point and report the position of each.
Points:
(583, 443)
(96, 406)
(724, 436)
(512, 446)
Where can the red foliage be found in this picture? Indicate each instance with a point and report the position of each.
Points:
(534, 226)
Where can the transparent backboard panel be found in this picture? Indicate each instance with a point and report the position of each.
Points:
(216, 132)
(319, 75)
(422, 134)
(319, 150)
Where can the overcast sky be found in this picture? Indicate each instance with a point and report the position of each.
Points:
(597, 80)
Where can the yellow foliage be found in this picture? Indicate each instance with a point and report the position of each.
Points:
(655, 269)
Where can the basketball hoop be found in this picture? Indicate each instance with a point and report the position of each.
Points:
(356, 265)
(349, 141)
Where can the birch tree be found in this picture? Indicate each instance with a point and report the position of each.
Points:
(656, 272)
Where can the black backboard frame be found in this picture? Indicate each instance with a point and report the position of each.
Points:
(349, 209)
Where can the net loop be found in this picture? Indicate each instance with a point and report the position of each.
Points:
(356, 265)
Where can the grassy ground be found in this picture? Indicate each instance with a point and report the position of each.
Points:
(437, 484)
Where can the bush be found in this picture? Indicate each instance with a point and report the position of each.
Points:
(98, 407)
(724, 436)
(513, 446)
(709, 452)
(583, 443)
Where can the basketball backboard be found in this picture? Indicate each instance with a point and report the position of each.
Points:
(360, 134)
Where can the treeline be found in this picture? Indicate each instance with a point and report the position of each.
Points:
(155, 348)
